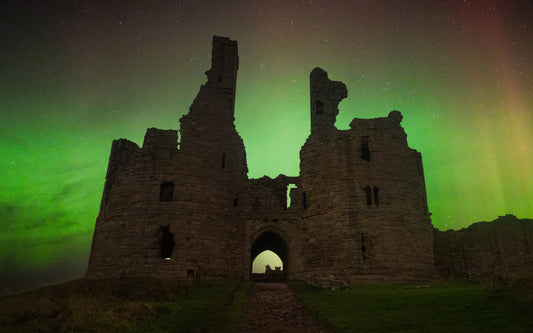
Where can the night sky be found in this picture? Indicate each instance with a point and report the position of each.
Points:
(74, 75)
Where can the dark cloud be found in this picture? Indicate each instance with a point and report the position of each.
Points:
(22, 218)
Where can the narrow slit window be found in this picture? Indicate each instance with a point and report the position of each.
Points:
(223, 165)
(368, 192)
(166, 191)
(376, 196)
(365, 150)
(319, 107)
(363, 247)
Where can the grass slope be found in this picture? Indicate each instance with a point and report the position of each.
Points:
(147, 305)
(441, 307)
(133, 305)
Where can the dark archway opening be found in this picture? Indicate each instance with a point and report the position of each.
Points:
(273, 242)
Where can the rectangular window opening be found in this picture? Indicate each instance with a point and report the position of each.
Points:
(166, 191)
(365, 150)
(166, 242)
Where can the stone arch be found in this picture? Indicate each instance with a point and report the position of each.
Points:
(270, 239)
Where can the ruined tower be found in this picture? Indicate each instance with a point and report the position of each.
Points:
(186, 195)
(187, 210)
(364, 192)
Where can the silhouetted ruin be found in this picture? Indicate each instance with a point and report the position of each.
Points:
(270, 275)
(358, 210)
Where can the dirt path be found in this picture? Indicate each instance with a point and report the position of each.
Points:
(272, 307)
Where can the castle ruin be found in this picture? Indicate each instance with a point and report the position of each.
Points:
(187, 210)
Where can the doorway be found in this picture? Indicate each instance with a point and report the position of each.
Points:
(270, 240)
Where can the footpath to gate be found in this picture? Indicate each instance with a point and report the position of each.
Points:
(272, 307)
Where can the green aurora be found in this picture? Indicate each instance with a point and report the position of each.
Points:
(77, 75)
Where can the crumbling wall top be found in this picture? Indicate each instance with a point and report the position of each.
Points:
(396, 115)
(160, 143)
(325, 98)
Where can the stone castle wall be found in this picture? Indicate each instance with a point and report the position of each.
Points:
(501, 247)
(186, 209)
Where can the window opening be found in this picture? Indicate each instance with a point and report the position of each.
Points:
(190, 272)
(372, 195)
(289, 188)
(368, 192)
(363, 247)
(319, 107)
(223, 161)
(166, 191)
(365, 150)
(236, 200)
(166, 242)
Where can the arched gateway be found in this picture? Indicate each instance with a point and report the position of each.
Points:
(270, 240)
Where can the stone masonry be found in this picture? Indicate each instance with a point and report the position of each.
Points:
(185, 209)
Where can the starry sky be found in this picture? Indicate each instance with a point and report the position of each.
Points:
(74, 75)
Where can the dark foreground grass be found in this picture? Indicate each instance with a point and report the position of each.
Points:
(215, 307)
(133, 305)
(144, 305)
(441, 307)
